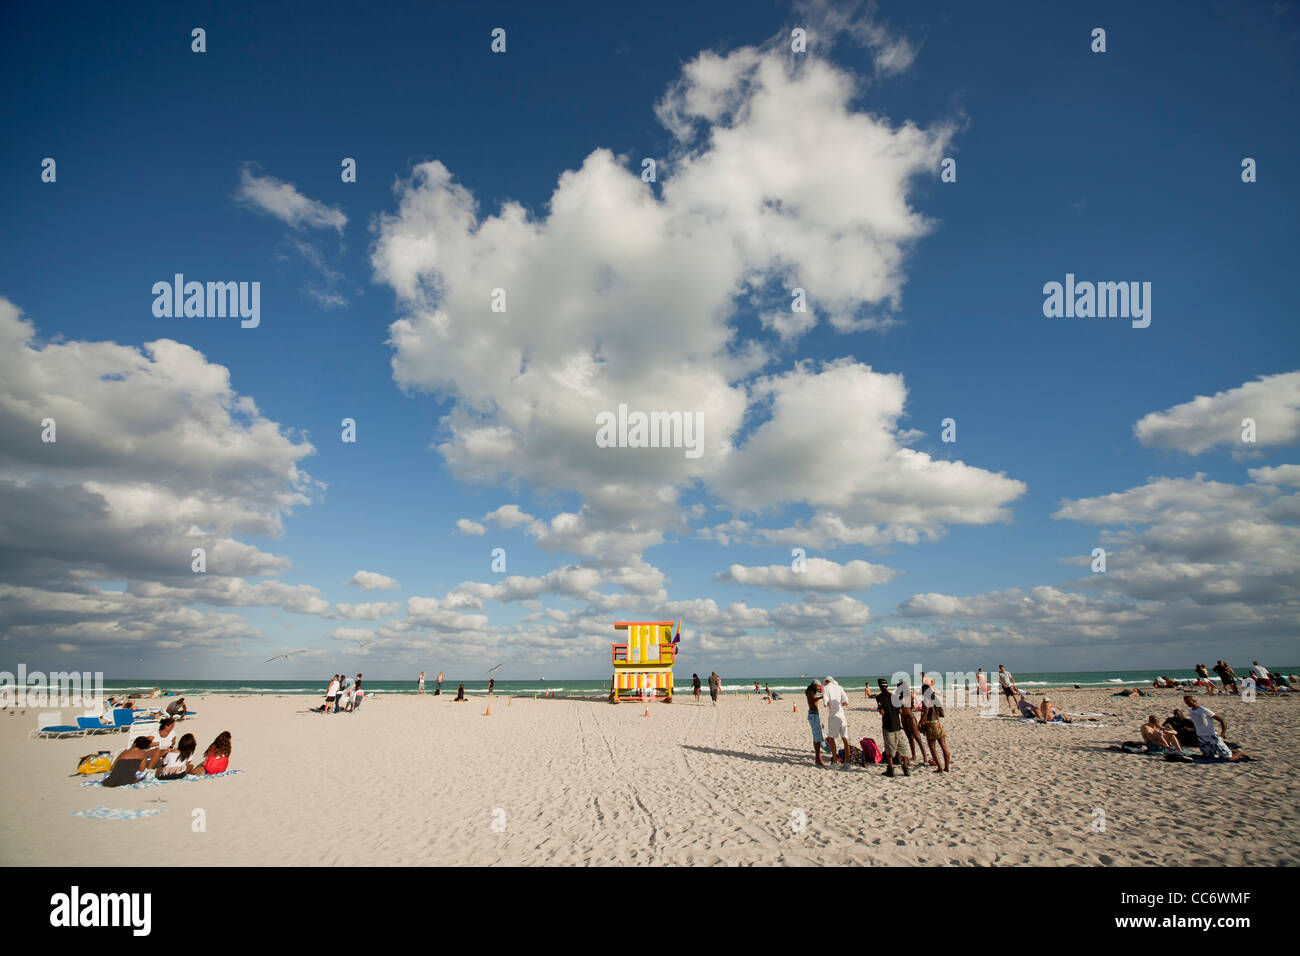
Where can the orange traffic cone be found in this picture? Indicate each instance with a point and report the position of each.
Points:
(488, 712)
(796, 708)
(647, 712)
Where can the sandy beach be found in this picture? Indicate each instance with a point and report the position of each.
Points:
(422, 780)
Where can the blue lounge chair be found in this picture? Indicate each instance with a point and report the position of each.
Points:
(48, 727)
(93, 725)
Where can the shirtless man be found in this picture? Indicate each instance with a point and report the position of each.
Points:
(1049, 712)
(1157, 737)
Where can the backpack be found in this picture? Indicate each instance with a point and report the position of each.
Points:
(101, 762)
(870, 752)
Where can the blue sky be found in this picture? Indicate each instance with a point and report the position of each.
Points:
(776, 169)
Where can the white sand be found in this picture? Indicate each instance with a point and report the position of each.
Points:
(420, 780)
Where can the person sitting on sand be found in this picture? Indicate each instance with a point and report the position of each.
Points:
(132, 764)
(1182, 728)
(460, 694)
(167, 734)
(771, 696)
(1212, 744)
(1262, 677)
(1203, 679)
(1159, 740)
(1026, 708)
(1049, 713)
(934, 732)
(217, 757)
(177, 708)
(176, 763)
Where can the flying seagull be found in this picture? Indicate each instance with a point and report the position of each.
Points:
(286, 656)
(362, 643)
(491, 669)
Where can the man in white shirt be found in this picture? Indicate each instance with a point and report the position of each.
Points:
(1262, 676)
(332, 695)
(1212, 744)
(1008, 685)
(837, 718)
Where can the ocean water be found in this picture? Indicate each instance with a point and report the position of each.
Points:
(599, 688)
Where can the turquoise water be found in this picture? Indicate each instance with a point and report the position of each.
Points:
(599, 688)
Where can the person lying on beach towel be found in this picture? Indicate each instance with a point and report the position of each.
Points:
(1026, 708)
(131, 764)
(1131, 692)
(1159, 740)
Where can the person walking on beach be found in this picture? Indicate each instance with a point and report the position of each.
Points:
(715, 684)
(357, 694)
(492, 682)
(813, 693)
(1227, 675)
(419, 685)
(695, 686)
(837, 720)
(437, 690)
(1008, 685)
(981, 685)
(891, 724)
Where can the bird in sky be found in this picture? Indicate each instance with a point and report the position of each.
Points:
(491, 669)
(286, 655)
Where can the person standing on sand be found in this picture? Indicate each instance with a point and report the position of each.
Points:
(715, 684)
(437, 691)
(837, 720)
(813, 693)
(695, 686)
(419, 685)
(891, 724)
(981, 685)
(1008, 685)
(934, 731)
(906, 710)
(492, 682)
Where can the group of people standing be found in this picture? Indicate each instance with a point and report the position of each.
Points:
(343, 694)
(904, 725)
(437, 691)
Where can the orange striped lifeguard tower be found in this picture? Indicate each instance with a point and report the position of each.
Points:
(643, 667)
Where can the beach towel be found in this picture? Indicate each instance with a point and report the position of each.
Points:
(102, 812)
(152, 781)
(870, 752)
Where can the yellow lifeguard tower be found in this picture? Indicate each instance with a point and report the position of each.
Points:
(643, 667)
